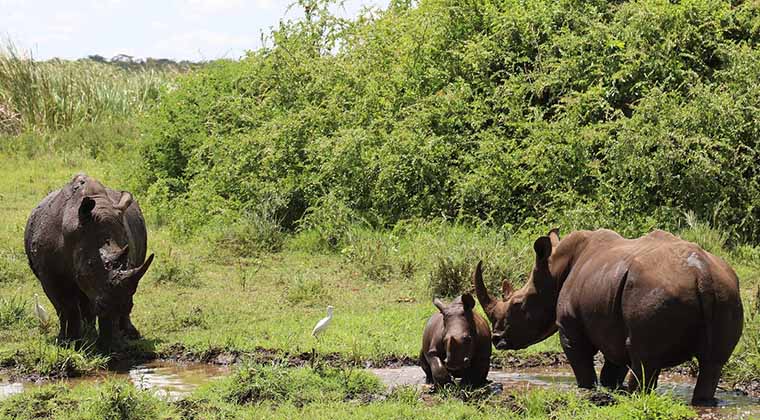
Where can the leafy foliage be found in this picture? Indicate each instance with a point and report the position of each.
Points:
(623, 114)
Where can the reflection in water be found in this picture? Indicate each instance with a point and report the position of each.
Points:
(8, 389)
(173, 381)
(168, 380)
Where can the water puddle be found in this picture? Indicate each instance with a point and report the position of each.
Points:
(172, 381)
(168, 380)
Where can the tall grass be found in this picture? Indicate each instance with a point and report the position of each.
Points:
(59, 94)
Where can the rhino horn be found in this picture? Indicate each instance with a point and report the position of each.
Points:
(130, 278)
(484, 298)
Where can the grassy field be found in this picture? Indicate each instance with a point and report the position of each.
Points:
(204, 297)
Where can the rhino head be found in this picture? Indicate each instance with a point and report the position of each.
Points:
(459, 331)
(528, 315)
(97, 237)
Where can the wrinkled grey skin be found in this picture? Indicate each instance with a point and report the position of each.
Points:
(86, 244)
(456, 343)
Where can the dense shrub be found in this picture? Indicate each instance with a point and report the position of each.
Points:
(623, 114)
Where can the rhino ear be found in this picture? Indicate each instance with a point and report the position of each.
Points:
(438, 304)
(468, 302)
(85, 208)
(124, 201)
(554, 237)
(543, 248)
(506, 289)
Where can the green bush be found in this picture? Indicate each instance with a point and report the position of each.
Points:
(174, 270)
(371, 254)
(527, 113)
(450, 278)
(305, 290)
(253, 233)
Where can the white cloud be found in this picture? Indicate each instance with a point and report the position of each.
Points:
(159, 25)
(203, 45)
(213, 6)
(264, 4)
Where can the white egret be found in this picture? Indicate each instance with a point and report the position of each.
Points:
(323, 323)
(39, 311)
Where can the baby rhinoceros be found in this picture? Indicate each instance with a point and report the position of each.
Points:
(456, 343)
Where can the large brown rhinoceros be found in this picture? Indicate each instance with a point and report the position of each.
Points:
(646, 304)
(456, 342)
(86, 244)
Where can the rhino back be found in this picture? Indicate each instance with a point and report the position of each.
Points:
(644, 289)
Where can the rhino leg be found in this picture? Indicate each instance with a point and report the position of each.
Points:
(441, 375)
(105, 332)
(128, 329)
(707, 382)
(644, 375)
(426, 368)
(87, 312)
(70, 322)
(477, 374)
(580, 353)
(613, 375)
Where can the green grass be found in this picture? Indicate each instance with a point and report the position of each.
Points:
(192, 300)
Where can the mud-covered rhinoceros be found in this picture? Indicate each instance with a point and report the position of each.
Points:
(646, 304)
(86, 243)
(456, 342)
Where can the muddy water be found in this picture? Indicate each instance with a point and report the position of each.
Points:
(172, 381)
(732, 405)
(168, 380)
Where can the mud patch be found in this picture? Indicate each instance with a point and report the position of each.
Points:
(513, 360)
(263, 355)
(733, 404)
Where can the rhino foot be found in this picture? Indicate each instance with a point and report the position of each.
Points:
(704, 402)
(131, 333)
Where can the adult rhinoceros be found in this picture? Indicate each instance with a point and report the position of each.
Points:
(646, 304)
(86, 244)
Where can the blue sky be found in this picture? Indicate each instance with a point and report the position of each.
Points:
(178, 29)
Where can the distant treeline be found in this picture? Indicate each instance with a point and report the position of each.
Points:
(127, 62)
(624, 114)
